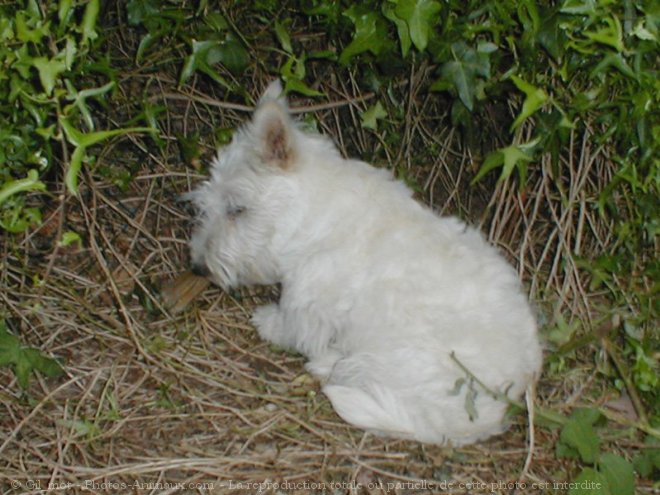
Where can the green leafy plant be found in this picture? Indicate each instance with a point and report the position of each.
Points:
(24, 360)
(215, 40)
(466, 72)
(608, 473)
(372, 115)
(47, 49)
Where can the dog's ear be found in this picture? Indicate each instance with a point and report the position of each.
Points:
(274, 92)
(274, 129)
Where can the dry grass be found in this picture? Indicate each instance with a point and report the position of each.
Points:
(196, 398)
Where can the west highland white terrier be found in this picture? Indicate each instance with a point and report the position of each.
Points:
(409, 320)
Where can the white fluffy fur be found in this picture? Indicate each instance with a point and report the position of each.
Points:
(377, 290)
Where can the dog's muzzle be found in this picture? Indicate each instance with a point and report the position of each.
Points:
(200, 269)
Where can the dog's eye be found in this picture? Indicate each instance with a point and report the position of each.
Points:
(235, 211)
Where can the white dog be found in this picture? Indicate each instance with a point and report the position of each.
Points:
(408, 319)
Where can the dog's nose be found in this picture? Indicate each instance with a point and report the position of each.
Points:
(200, 269)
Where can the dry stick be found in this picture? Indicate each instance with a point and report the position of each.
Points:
(247, 108)
(602, 331)
(542, 185)
(529, 405)
(552, 416)
(36, 409)
(574, 199)
(201, 99)
(530, 221)
(123, 262)
(64, 444)
(403, 150)
(113, 286)
(60, 221)
(396, 476)
(554, 238)
(150, 467)
(360, 138)
(530, 393)
(360, 447)
(497, 395)
(625, 376)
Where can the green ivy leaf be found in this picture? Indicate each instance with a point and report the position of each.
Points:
(462, 72)
(81, 141)
(579, 7)
(63, 11)
(69, 53)
(371, 116)
(25, 360)
(6, 29)
(293, 73)
(551, 36)
(39, 362)
(146, 42)
(139, 11)
(615, 60)
(642, 33)
(233, 55)
(205, 54)
(590, 482)
(23, 64)
(80, 99)
(486, 47)
(534, 99)
(462, 79)
(10, 347)
(216, 21)
(562, 331)
(611, 35)
(82, 427)
(27, 34)
(370, 32)
(283, 37)
(72, 171)
(49, 70)
(618, 472)
(515, 156)
(648, 458)
(509, 158)
(69, 237)
(89, 21)
(189, 148)
(20, 219)
(492, 161)
(586, 415)
(30, 183)
(458, 385)
(470, 403)
(22, 368)
(579, 434)
(401, 28)
(297, 86)
(419, 16)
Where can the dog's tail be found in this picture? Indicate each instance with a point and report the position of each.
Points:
(379, 411)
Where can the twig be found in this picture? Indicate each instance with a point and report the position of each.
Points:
(247, 108)
(36, 409)
(530, 393)
(625, 376)
(497, 395)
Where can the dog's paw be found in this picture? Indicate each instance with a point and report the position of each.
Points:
(321, 366)
(268, 322)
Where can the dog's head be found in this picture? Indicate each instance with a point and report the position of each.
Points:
(245, 209)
